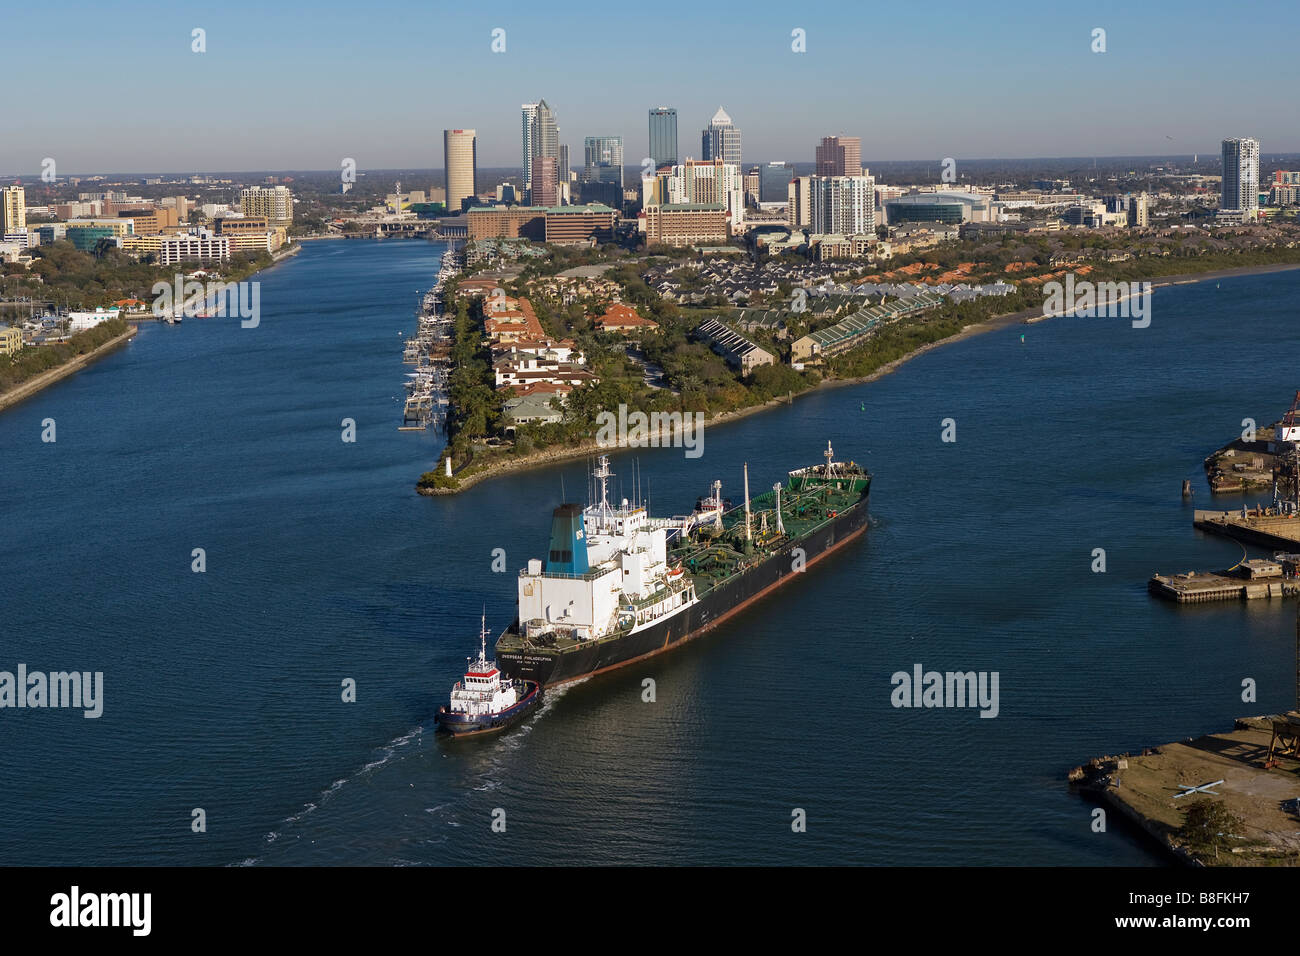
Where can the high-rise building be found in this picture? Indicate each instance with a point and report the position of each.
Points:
(799, 203)
(1240, 175)
(721, 139)
(843, 205)
(563, 166)
(543, 189)
(774, 182)
(274, 204)
(13, 210)
(529, 118)
(460, 160)
(541, 137)
(709, 183)
(663, 136)
(603, 160)
(839, 156)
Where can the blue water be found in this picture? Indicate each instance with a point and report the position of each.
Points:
(223, 689)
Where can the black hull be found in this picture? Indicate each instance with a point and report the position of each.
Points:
(553, 667)
(463, 725)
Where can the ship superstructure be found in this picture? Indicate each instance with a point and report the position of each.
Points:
(618, 585)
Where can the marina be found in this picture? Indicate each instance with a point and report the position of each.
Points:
(429, 350)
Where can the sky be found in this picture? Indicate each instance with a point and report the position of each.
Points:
(295, 85)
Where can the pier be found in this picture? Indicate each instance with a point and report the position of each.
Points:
(429, 350)
(1266, 527)
(1246, 581)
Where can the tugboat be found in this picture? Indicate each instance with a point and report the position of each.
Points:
(484, 702)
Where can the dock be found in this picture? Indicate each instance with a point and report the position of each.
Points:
(1246, 581)
(1253, 770)
(429, 350)
(1266, 527)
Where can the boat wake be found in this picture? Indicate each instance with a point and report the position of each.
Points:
(387, 753)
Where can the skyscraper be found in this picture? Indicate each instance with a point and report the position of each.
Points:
(460, 160)
(13, 210)
(602, 160)
(543, 188)
(663, 136)
(839, 156)
(529, 117)
(1240, 175)
(843, 205)
(721, 139)
(774, 182)
(541, 137)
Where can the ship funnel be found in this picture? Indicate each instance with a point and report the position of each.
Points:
(568, 551)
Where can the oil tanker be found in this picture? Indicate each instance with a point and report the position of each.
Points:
(618, 586)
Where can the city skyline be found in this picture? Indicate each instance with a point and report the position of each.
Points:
(1028, 105)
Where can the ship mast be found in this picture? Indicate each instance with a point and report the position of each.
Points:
(747, 536)
(717, 501)
(482, 639)
(780, 528)
(830, 460)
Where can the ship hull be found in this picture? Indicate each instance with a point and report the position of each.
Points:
(467, 725)
(714, 607)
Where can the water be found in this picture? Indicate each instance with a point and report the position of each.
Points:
(223, 689)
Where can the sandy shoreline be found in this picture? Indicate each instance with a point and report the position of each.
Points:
(33, 385)
(551, 456)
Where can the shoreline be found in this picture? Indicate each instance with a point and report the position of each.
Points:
(991, 324)
(27, 389)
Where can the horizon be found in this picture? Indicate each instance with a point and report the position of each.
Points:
(309, 88)
(1213, 154)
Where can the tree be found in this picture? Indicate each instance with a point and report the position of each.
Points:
(1208, 824)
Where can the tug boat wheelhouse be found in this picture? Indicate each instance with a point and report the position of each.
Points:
(484, 701)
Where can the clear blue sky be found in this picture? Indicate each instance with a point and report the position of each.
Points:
(290, 84)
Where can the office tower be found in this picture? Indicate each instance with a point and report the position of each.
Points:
(774, 182)
(543, 189)
(839, 156)
(562, 174)
(603, 160)
(13, 210)
(663, 136)
(460, 160)
(1240, 175)
(274, 204)
(721, 139)
(843, 205)
(529, 117)
(541, 137)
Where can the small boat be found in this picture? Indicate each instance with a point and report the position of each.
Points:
(484, 702)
